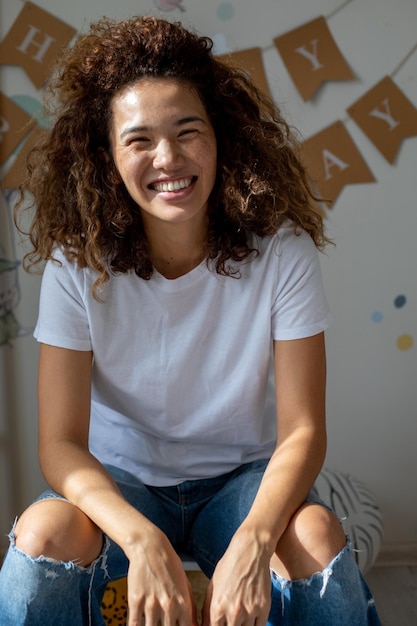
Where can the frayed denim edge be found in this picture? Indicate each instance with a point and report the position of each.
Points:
(325, 574)
(68, 565)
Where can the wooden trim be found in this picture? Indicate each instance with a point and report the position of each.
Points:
(397, 555)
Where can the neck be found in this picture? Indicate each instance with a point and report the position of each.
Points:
(172, 267)
(176, 252)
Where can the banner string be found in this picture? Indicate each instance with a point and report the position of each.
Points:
(339, 8)
(332, 14)
(404, 60)
(327, 17)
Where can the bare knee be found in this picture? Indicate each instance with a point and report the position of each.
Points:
(312, 539)
(57, 529)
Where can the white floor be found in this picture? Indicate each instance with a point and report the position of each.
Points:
(395, 593)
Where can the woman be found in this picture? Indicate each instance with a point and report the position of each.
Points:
(182, 360)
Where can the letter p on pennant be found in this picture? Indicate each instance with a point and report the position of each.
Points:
(33, 42)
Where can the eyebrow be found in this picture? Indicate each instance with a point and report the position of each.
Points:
(180, 122)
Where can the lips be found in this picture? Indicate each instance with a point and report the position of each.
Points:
(172, 185)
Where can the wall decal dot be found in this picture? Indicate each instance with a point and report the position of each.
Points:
(405, 342)
(400, 301)
(225, 11)
(377, 317)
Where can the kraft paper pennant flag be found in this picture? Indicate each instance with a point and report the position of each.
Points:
(249, 61)
(333, 161)
(386, 116)
(312, 57)
(17, 170)
(14, 125)
(34, 41)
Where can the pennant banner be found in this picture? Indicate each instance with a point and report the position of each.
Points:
(333, 161)
(34, 41)
(250, 61)
(386, 116)
(15, 124)
(17, 170)
(312, 57)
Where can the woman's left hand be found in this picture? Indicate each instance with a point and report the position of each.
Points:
(239, 593)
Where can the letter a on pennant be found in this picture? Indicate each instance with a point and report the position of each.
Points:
(34, 41)
(312, 57)
(333, 161)
(386, 116)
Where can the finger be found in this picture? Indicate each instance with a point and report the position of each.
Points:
(205, 614)
(153, 617)
(134, 621)
(194, 615)
(134, 614)
(194, 621)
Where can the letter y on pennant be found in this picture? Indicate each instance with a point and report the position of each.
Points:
(312, 57)
(386, 116)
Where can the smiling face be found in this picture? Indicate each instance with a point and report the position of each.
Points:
(164, 148)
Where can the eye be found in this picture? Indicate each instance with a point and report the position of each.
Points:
(188, 132)
(139, 140)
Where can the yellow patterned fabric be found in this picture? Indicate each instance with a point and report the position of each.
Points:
(114, 603)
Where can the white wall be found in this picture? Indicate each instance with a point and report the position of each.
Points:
(372, 392)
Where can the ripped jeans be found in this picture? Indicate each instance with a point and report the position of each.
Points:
(199, 518)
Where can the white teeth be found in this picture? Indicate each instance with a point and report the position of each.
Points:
(175, 185)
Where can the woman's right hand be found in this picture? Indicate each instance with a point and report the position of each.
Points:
(158, 589)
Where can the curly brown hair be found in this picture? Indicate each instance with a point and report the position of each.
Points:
(80, 201)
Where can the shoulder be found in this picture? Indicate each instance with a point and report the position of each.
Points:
(63, 274)
(300, 306)
(290, 245)
(63, 263)
(290, 236)
(291, 258)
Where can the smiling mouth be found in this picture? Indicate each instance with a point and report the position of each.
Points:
(173, 185)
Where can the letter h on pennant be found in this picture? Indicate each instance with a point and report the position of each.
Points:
(30, 43)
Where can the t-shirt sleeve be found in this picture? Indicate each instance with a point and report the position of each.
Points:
(63, 319)
(300, 308)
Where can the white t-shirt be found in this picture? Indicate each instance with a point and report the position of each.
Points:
(182, 386)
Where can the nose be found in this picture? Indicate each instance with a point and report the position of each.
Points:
(167, 155)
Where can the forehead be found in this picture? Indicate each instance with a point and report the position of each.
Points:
(154, 97)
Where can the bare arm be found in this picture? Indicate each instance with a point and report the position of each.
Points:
(241, 582)
(300, 379)
(158, 587)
